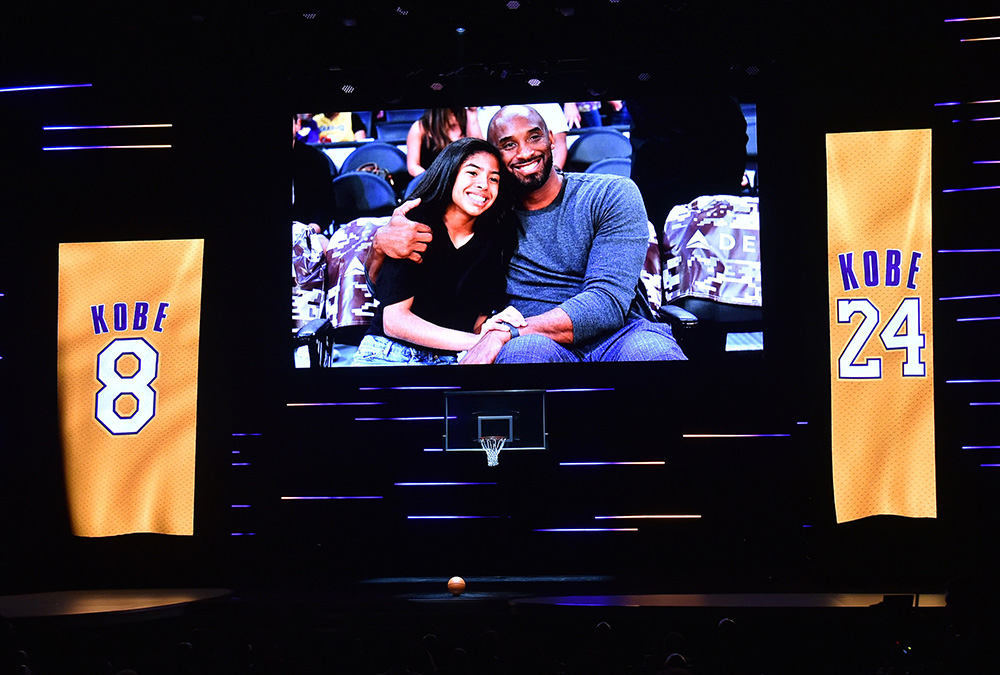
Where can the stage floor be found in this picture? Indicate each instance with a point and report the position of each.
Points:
(537, 623)
(502, 594)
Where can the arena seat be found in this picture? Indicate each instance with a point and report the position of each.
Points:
(711, 274)
(594, 145)
(410, 115)
(385, 156)
(388, 157)
(361, 194)
(392, 132)
(616, 166)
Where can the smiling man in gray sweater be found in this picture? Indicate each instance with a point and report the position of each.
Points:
(574, 274)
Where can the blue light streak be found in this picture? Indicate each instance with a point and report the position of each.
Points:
(611, 463)
(969, 250)
(109, 126)
(970, 297)
(588, 529)
(44, 86)
(441, 484)
(450, 517)
(734, 435)
(399, 419)
(108, 147)
(406, 388)
(978, 318)
(315, 498)
(651, 517)
(563, 391)
(304, 405)
(970, 189)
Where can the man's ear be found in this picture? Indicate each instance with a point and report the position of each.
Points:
(552, 140)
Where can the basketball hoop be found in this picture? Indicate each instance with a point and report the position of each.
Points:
(492, 445)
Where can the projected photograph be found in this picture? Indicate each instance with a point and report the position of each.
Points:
(599, 231)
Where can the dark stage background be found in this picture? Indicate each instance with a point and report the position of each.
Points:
(227, 80)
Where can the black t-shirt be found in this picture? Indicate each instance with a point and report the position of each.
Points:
(452, 287)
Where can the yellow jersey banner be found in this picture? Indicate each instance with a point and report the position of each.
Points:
(881, 346)
(129, 323)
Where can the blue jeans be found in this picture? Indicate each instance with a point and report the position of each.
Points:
(376, 350)
(637, 340)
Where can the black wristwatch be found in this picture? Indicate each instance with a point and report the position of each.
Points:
(514, 332)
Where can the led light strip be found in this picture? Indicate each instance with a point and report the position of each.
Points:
(588, 529)
(971, 297)
(437, 484)
(44, 86)
(649, 517)
(611, 463)
(451, 517)
(404, 388)
(307, 405)
(331, 497)
(399, 419)
(734, 435)
(976, 189)
(108, 126)
(108, 147)
(563, 391)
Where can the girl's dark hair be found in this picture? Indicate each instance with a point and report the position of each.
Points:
(434, 189)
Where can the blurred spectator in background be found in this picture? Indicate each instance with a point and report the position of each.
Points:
(313, 202)
(585, 114)
(434, 131)
(686, 146)
(339, 127)
(308, 132)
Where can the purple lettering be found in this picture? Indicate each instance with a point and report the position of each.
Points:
(100, 325)
(161, 314)
(121, 316)
(914, 257)
(847, 271)
(870, 259)
(893, 259)
(141, 316)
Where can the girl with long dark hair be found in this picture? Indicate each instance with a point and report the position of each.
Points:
(430, 311)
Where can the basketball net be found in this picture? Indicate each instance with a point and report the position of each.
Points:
(492, 445)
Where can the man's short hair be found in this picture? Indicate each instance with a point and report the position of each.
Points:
(509, 111)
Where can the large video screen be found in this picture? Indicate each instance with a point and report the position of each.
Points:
(605, 230)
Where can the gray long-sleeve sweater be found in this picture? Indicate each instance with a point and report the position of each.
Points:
(583, 253)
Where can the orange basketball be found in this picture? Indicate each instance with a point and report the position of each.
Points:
(456, 585)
